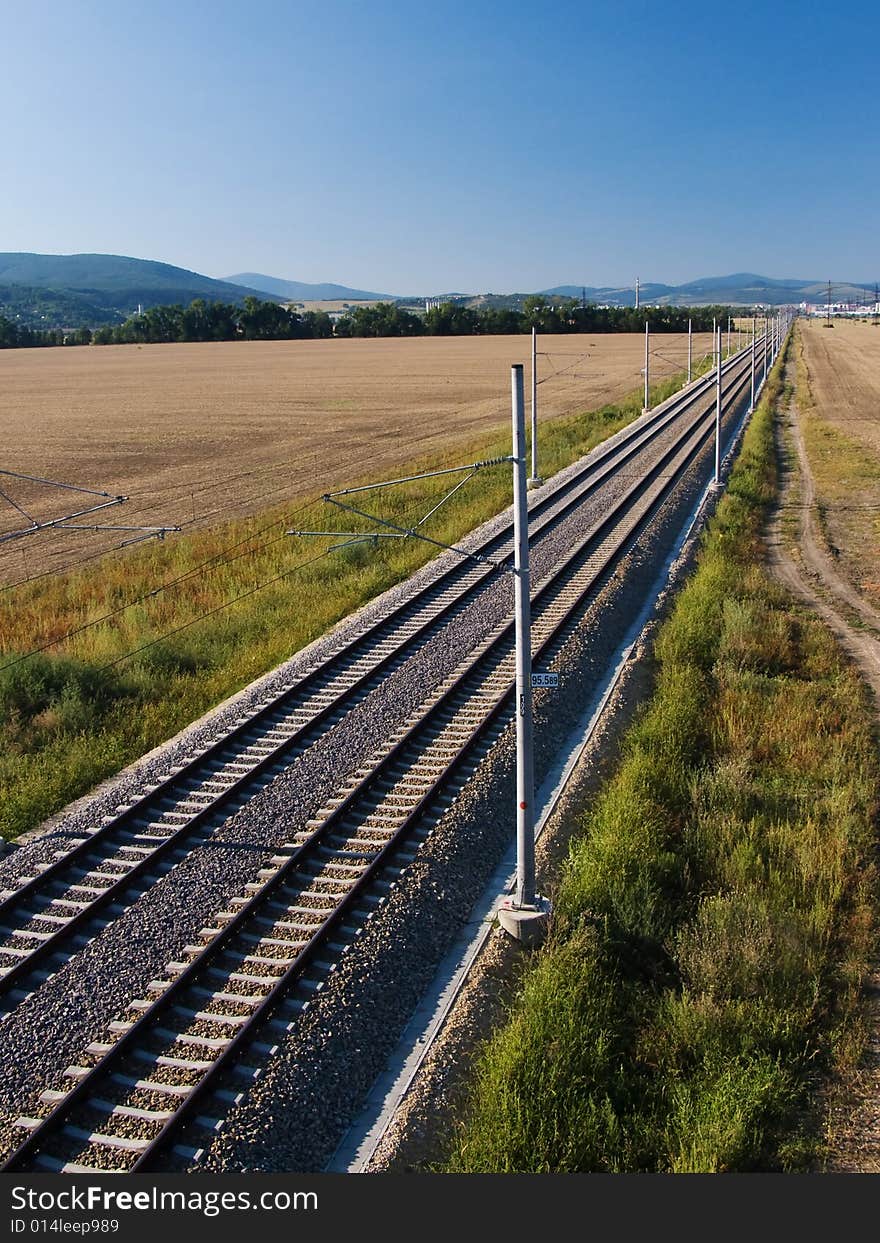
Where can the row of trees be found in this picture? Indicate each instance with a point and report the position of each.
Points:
(15, 336)
(452, 319)
(256, 320)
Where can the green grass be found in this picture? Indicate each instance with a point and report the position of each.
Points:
(97, 700)
(715, 914)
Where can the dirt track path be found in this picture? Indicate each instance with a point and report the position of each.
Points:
(853, 1104)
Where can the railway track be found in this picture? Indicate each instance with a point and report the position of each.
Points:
(52, 914)
(214, 1015)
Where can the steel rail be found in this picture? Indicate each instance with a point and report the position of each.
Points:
(621, 514)
(176, 788)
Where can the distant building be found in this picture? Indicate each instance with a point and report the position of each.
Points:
(851, 309)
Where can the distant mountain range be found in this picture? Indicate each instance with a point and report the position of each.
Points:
(72, 291)
(297, 291)
(740, 289)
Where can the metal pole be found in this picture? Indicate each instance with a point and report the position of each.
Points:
(525, 778)
(718, 416)
(690, 348)
(647, 356)
(752, 402)
(728, 337)
(766, 332)
(534, 480)
(714, 333)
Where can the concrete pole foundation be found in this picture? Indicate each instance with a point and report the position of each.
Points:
(528, 925)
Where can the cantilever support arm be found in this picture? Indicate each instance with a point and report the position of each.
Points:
(399, 532)
(413, 532)
(428, 474)
(67, 521)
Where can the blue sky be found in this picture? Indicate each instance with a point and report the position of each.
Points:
(427, 148)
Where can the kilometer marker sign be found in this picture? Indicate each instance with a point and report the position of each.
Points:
(544, 680)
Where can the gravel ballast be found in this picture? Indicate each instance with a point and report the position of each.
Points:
(295, 1114)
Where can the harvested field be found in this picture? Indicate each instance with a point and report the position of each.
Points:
(196, 434)
(844, 367)
(839, 402)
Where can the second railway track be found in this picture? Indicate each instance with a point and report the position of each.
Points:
(262, 959)
(51, 914)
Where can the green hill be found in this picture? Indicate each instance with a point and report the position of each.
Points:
(73, 291)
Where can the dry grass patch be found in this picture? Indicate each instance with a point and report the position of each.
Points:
(838, 393)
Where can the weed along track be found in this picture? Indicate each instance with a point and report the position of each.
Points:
(155, 1086)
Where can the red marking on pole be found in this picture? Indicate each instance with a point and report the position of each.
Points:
(523, 806)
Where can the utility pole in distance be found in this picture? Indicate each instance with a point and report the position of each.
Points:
(690, 349)
(534, 479)
(525, 915)
(718, 416)
(647, 405)
(714, 333)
